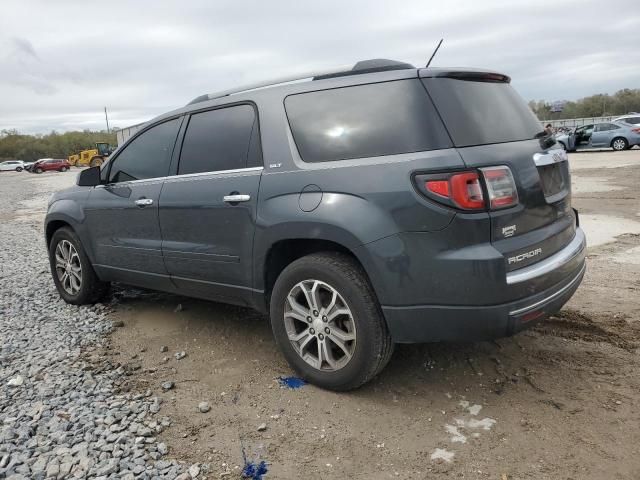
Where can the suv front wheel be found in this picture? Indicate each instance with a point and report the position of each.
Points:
(73, 275)
(327, 322)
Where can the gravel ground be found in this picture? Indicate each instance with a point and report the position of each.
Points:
(62, 411)
(557, 401)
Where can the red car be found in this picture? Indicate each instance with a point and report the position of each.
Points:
(46, 164)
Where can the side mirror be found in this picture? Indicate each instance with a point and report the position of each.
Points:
(89, 177)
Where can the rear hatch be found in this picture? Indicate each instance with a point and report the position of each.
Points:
(491, 125)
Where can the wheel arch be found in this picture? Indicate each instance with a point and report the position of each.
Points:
(273, 259)
(619, 137)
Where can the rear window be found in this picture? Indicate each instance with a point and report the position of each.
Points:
(479, 113)
(365, 121)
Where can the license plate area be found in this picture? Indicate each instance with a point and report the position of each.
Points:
(552, 179)
(553, 169)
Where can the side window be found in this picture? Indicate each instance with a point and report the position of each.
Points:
(365, 121)
(147, 156)
(221, 139)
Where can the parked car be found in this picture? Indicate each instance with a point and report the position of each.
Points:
(49, 164)
(632, 119)
(27, 165)
(616, 135)
(362, 208)
(12, 165)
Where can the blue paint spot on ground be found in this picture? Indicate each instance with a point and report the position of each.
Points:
(292, 382)
(253, 471)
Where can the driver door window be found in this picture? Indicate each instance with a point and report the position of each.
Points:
(147, 156)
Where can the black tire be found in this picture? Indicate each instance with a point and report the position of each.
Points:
(373, 344)
(18, 169)
(38, 170)
(96, 162)
(92, 288)
(64, 169)
(619, 144)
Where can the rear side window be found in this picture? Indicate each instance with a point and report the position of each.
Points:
(219, 140)
(480, 113)
(147, 156)
(632, 120)
(364, 121)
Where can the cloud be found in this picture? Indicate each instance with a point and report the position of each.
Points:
(62, 62)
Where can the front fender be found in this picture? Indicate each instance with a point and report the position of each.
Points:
(68, 211)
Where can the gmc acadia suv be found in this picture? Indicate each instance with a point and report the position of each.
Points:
(362, 208)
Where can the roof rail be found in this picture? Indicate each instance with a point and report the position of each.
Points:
(265, 84)
(365, 66)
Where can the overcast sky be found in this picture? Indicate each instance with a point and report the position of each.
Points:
(62, 61)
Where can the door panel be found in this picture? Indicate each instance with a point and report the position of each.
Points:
(122, 214)
(126, 236)
(207, 242)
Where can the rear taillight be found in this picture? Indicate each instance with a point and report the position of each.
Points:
(500, 187)
(464, 189)
(636, 130)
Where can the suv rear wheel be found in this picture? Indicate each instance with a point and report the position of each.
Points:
(73, 275)
(327, 322)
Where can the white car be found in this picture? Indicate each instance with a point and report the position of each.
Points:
(12, 165)
(632, 119)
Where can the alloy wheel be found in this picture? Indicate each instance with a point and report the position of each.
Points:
(320, 325)
(68, 267)
(619, 144)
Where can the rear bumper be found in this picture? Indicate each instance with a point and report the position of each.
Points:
(434, 323)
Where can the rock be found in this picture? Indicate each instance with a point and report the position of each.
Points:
(167, 385)
(164, 348)
(180, 355)
(194, 470)
(178, 308)
(162, 449)
(16, 381)
(183, 476)
(204, 407)
(117, 323)
(262, 427)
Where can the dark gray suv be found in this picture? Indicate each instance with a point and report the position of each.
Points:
(362, 208)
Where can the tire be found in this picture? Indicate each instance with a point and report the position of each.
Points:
(363, 329)
(77, 290)
(619, 144)
(38, 170)
(96, 161)
(64, 169)
(19, 169)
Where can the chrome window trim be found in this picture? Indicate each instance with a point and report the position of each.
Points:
(573, 249)
(550, 297)
(180, 177)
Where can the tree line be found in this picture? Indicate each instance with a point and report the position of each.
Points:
(14, 145)
(601, 105)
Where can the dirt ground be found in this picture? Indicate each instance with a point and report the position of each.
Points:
(558, 402)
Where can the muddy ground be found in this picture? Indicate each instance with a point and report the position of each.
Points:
(558, 402)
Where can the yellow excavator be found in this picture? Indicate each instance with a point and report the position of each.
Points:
(93, 157)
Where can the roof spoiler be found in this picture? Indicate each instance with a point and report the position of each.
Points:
(469, 75)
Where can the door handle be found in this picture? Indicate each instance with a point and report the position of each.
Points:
(236, 198)
(143, 202)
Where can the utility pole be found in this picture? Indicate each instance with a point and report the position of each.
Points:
(106, 117)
